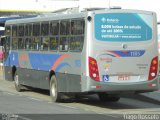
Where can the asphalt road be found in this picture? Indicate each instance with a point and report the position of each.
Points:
(16, 106)
(14, 103)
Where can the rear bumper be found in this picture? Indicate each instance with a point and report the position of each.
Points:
(146, 86)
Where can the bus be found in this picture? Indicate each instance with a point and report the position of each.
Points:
(95, 51)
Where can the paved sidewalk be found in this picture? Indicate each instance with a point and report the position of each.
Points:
(5, 85)
(1, 74)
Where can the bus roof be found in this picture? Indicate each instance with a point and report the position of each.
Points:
(69, 14)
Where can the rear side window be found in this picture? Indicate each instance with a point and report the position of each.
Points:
(14, 31)
(36, 29)
(21, 30)
(45, 29)
(65, 27)
(77, 27)
(28, 30)
(8, 30)
(54, 28)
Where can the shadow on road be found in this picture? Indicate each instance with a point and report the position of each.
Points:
(36, 90)
(127, 101)
(142, 98)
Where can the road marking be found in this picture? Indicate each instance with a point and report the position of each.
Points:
(111, 115)
(67, 106)
(104, 113)
(100, 112)
(10, 93)
(34, 99)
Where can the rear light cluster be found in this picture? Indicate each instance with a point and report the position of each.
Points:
(93, 69)
(153, 68)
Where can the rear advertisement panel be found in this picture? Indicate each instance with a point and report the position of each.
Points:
(123, 27)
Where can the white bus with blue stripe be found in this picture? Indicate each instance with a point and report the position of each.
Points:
(105, 52)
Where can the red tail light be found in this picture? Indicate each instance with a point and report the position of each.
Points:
(153, 68)
(93, 69)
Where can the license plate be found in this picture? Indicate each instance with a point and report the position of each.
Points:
(123, 79)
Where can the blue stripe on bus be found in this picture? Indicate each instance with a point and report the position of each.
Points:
(42, 61)
(107, 54)
(129, 53)
(38, 61)
(12, 59)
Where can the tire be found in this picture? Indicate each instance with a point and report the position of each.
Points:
(18, 86)
(104, 97)
(54, 94)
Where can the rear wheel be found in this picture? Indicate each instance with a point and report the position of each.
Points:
(18, 86)
(55, 95)
(104, 97)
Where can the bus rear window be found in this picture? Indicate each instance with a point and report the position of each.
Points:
(123, 27)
